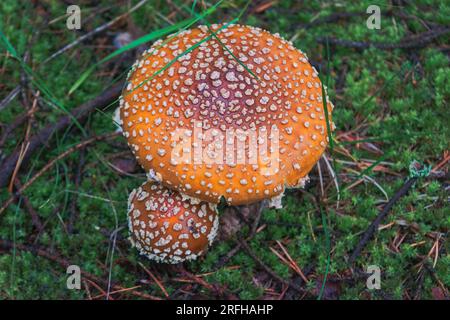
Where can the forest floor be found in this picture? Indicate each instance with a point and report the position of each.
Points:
(390, 87)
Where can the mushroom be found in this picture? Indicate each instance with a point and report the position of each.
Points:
(166, 228)
(241, 119)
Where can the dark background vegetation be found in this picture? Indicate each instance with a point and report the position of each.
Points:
(391, 91)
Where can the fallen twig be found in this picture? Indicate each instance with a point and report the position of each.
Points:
(10, 97)
(266, 268)
(155, 279)
(25, 144)
(254, 228)
(51, 163)
(413, 42)
(215, 288)
(374, 225)
(44, 135)
(94, 32)
(34, 215)
(52, 256)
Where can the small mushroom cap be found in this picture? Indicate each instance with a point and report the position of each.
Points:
(205, 95)
(168, 228)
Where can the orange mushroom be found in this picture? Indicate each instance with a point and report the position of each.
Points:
(240, 118)
(167, 228)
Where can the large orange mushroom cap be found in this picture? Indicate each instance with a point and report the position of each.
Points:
(219, 102)
(167, 228)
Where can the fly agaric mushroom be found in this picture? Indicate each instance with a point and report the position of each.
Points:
(167, 228)
(220, 95)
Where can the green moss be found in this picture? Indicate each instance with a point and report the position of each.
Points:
(397, 95)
